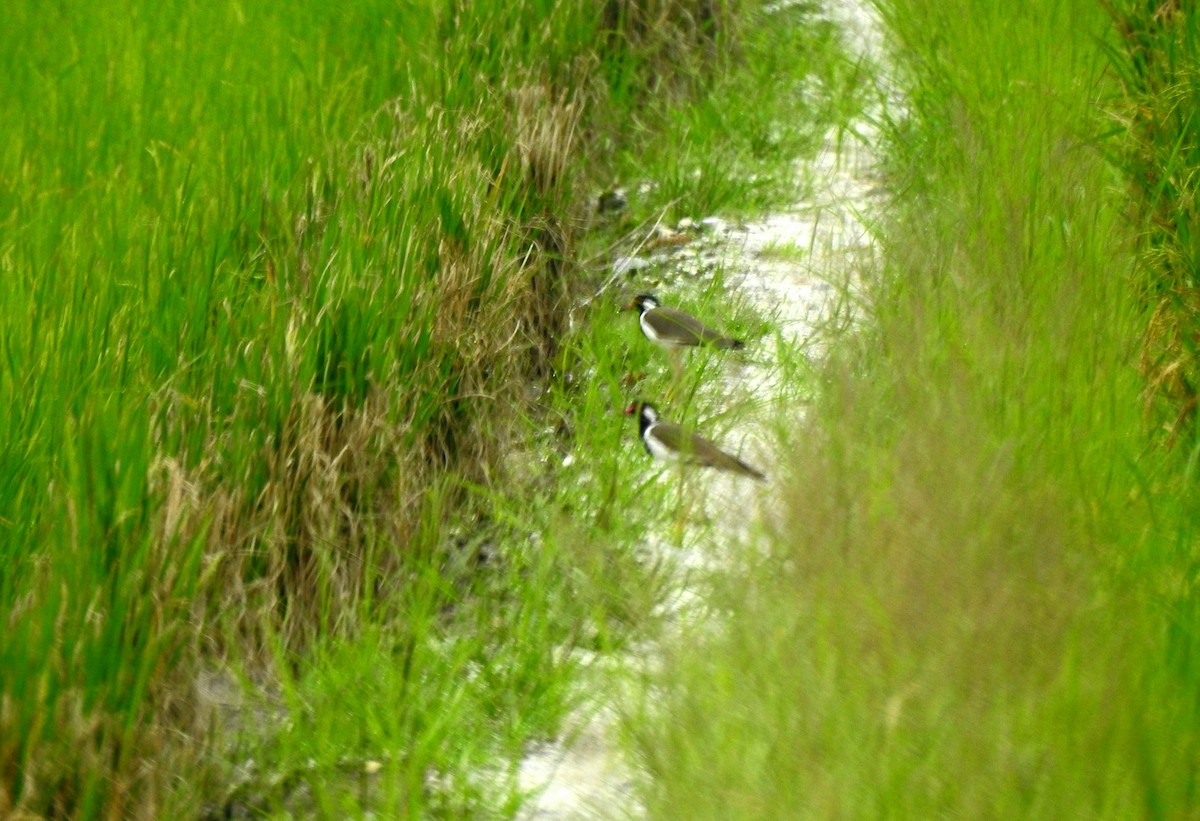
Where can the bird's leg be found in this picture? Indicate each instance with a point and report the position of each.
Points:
(676, 357)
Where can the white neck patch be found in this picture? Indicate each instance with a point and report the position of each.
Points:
(657, 448)
(649, 331)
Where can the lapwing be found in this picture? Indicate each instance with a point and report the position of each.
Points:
(675, 330)
(672, 328)
(665, 440)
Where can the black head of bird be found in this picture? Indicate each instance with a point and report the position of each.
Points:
(668, 441)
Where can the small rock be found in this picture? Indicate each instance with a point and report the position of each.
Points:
(612, 202)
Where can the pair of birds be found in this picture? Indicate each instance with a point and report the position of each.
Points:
(675, 330)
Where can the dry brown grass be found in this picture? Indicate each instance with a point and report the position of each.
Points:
(348, 483)
(679, 40)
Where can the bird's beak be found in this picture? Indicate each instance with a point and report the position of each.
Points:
(631, 410)
(631, 306)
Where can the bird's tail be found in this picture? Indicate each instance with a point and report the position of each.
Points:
(730, 344)
(754, 473)
(748, 470)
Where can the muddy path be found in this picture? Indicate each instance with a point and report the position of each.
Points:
(586, 775)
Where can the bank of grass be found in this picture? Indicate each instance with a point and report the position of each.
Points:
(979, 599)
(1153, 57)
(280, 287)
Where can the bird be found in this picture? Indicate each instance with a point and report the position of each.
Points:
(668, 441)
(672, 328)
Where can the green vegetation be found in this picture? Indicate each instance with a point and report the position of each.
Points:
(980, 601)
(286, 371)
(1154, 60)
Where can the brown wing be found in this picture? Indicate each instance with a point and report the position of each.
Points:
(684, 329)
(693, 447)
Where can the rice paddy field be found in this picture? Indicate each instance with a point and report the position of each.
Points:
(313, 478)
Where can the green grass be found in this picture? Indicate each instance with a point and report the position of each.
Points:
(772, 109)
(277, 285)
(979, 600)
(1153, 60)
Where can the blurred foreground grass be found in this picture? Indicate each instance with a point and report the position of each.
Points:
(980, 599)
